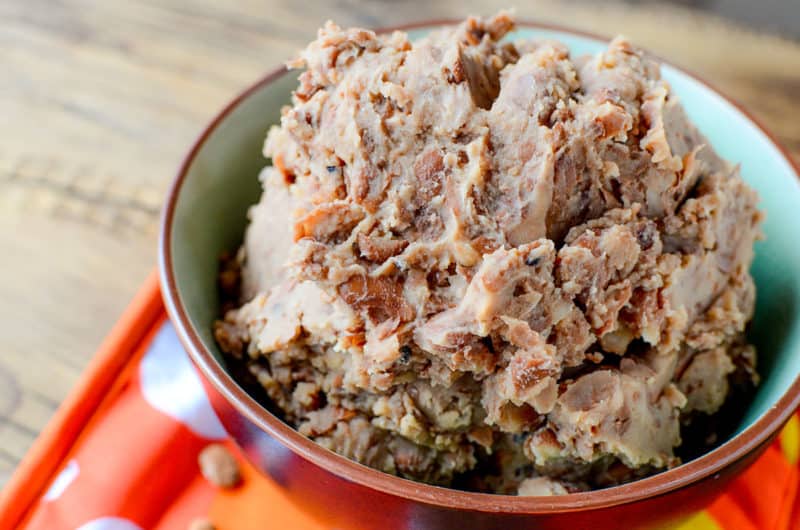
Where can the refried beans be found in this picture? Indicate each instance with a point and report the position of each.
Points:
(490, 264)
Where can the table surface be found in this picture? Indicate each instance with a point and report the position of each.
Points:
(100, 100)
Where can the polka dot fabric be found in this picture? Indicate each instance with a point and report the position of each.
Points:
(121, 453)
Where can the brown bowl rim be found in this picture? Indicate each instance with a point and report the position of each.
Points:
(709, 465)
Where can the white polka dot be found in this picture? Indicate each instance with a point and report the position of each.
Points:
(171, 385)
(62, 481)
(109, 523)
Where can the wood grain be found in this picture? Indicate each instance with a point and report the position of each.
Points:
(100, 100)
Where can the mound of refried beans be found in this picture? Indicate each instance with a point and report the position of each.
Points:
(492, 264)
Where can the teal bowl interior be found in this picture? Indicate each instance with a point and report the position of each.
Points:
(220, 183)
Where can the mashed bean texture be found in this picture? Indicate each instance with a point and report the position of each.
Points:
(493, 263)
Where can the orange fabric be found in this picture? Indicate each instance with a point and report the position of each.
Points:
(246, 509)
(763, 497)
(46, 454)
(121, 453)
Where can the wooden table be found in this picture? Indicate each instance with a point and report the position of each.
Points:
(100, 100)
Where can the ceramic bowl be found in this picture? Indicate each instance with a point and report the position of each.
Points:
(206, 214)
